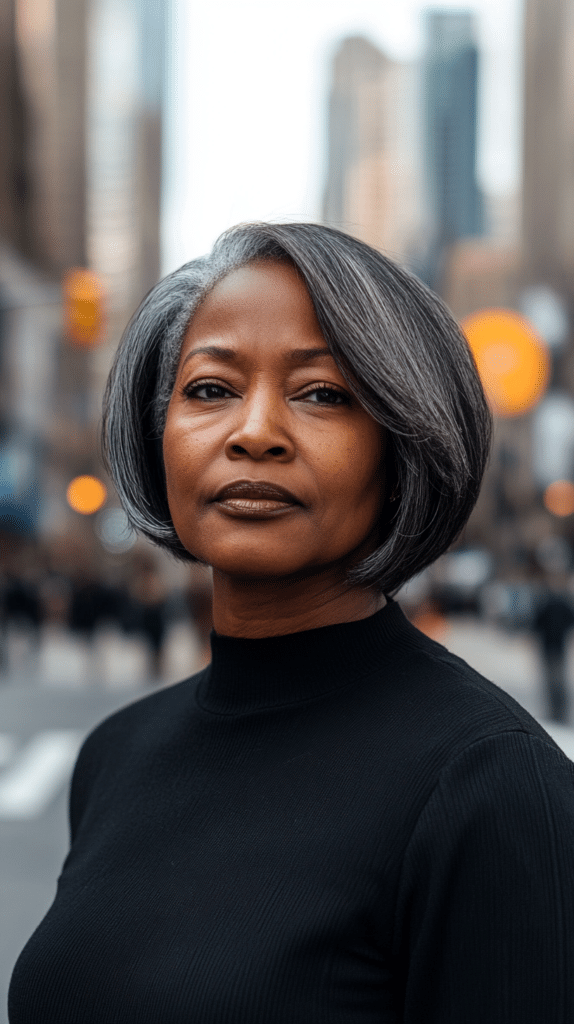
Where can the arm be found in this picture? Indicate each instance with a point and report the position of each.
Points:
(485, 907)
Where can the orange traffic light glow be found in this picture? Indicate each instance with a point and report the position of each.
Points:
(86, 494)
(559, 498)
(83, 296)
(512, 361)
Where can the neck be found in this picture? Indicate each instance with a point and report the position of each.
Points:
(258, 608)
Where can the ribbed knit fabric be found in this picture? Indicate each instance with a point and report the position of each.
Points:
(341, 826)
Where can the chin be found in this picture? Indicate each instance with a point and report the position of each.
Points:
(242, 563)
(259, 569)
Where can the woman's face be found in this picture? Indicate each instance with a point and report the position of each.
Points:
(273, 468)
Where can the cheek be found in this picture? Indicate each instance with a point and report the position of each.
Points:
(352, 471)
(179, 457)
(353, 453)
(366, 459)
(371, 481)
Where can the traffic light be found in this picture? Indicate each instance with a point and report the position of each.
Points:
(83, 298)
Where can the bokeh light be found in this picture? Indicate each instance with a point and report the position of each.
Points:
(512, 360)
(114, 531)
(83, 306)
(559, 498)
(86, 494)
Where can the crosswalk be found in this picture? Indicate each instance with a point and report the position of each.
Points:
(33, 773)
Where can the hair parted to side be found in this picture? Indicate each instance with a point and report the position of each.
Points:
(394, 341)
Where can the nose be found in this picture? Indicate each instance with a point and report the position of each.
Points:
(261, 430)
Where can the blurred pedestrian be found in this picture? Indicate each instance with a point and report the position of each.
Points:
(21, 610)
(88, 606)
(553, 622)
(336, 819)
(148, 598)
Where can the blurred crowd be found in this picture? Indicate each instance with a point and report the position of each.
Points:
(54, 593)
(55, 589)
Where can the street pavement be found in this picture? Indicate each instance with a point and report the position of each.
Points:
(51, 699)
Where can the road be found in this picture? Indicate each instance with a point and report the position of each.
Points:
(42, 725)
(41, 732)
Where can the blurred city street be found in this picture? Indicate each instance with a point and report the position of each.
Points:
(424, 132)
(48, 707)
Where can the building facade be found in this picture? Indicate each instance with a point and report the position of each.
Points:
(548, 145)
(453, 201)
(372, 184)
(80, 174)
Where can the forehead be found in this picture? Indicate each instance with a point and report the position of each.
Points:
(258, 296)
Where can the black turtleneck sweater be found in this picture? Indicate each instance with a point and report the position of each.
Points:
(342, 826)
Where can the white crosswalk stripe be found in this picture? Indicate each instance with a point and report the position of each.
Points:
(37, 772)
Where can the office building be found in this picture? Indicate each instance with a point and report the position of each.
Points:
(372, 182)
(453, 201)
(548, 145)
(80, 171)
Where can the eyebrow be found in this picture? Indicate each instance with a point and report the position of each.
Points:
(296, 355)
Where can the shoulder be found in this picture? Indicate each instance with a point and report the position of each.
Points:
(514, 776)
(441, 704)
(500, 820)
(495, 778)
(158, 707)
(437, 726)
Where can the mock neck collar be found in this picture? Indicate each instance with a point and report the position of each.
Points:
(248, 675)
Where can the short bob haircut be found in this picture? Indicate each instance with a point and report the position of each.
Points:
(397, 346)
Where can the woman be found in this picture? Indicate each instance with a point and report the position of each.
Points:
(336, 820)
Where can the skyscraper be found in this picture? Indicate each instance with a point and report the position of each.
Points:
(548, 145)
(42, 232)
(80, 172)
(450, 88)
(371, 188)
(42, 113)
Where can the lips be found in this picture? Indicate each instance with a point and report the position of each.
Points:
(256, 491)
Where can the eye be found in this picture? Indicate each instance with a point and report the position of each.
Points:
(324, 394)
(206, 391)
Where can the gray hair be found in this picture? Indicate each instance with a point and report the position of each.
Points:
(394, 341)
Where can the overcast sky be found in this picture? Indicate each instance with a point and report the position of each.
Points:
(246, 128)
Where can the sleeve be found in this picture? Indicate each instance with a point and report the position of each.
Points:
(484, 920)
